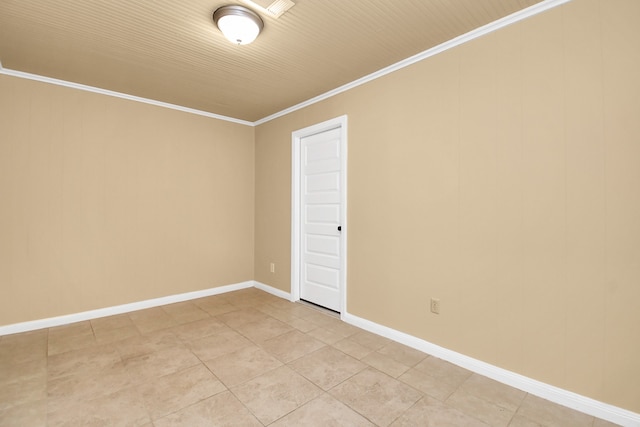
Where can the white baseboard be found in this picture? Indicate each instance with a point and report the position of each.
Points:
(554, 394)
(272, 290)
(140, 305)
(119, 309)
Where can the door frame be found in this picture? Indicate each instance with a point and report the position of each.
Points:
(296, 200)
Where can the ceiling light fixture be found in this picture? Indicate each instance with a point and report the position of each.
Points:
(238, 24)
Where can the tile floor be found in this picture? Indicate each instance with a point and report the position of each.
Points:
(246, 358)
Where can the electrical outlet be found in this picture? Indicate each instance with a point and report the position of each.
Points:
(272, 267)
(435, 305)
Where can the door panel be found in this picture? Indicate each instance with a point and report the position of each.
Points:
(326, 182)
(323, 245)
(323, 213)
(321, 257)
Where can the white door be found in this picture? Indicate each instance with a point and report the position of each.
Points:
(321, 248)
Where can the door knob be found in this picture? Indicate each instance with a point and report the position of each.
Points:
(339, 228)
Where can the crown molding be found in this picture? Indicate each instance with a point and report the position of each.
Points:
(471, 35)
(86, 88)
(543, 6)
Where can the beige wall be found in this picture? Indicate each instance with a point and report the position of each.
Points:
(502, 177)
(105, 201)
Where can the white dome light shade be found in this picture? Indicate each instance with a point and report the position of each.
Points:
(238, 24)
(238, 29)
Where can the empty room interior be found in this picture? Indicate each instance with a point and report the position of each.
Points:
(407, 213)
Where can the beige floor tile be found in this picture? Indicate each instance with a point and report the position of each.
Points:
(247, 302)
(86, 386)
(160, 363)
(275, 394)
(24, 347)
(432, 386)
(152, 319)
(64, 343)
(325, 335)
(10, 372)
(107, 336)
(265, 297)
(185, 312)
(32, 414)
(429, 412)
(341, 328)
(241, 317)
(72, 329)
(199, 329)
(263, 329)
(352, 348)
(221, 410)
(520, 421)
(315, 309)
(327, 367)
(551, 414)
(319, 319)
(218, 345)
(401, 353)
(481, 409)
(369, 340)
(323, 411)
(242, 365)
(385, 364)
(111, 322)
(270, 298)
(148, 343)
(210, 300)
(70, 337)
(28, 338)
(376, 396)
(282, 304)
(302, 325)
(444, 371)
(494, 392)
(243, 294)
(300, 310)
(123, 408)
(16, 341)
(23, 392)
(282, 315)
(215, 306)
(291, 345)
(236, 297)
(82, 361)
(176, 391)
